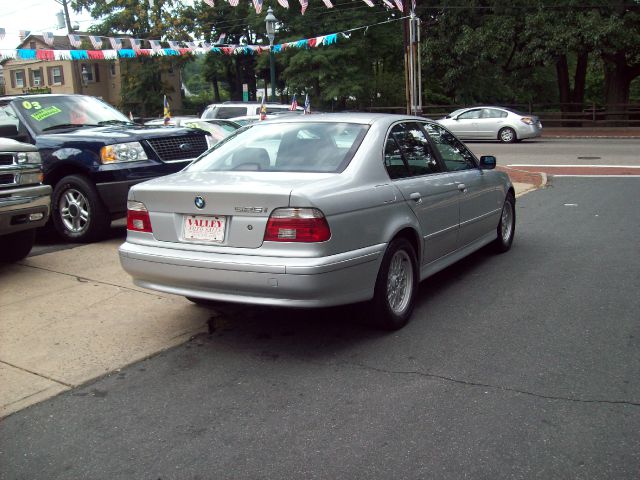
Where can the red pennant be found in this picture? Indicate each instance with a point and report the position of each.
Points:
(95, 54)
(44, 54)
(312, 42)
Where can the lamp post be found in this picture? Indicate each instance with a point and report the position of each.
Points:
(270, 22)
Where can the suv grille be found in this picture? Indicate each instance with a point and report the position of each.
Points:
(6, 179)
(6, 159)
(178, 148)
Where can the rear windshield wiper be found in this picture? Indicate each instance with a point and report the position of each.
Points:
(69, 125)
(115, 122)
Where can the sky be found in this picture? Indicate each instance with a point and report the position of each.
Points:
(35, 15)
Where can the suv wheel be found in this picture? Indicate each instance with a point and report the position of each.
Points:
(78, 213)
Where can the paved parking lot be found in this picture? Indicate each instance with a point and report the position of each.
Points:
(521, 365)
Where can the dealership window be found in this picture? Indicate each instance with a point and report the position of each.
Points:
(18, 78)
(55, 75)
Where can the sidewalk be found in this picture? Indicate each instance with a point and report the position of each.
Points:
(590, 132)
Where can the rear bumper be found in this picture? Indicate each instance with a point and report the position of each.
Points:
(277, 281)
(18, 204)
(528, 131)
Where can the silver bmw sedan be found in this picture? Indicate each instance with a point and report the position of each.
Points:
(319, 210)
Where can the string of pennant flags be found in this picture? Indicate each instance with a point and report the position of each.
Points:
(135, 49)
(257, 4)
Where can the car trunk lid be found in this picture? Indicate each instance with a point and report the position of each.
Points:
(221, 209)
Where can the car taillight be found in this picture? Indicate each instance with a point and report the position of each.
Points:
(138, 217)
(297, 225)
(527, 120)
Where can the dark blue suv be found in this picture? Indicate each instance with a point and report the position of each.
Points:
(91, 155)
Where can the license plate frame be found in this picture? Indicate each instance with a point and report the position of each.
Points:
(204, 228)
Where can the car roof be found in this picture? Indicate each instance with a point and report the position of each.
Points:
(364, 118)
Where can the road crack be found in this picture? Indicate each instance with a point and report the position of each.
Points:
(494, 387)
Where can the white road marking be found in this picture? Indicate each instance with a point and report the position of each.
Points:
(570, 166)
(600, 176)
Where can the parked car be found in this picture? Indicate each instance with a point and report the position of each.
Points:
(92, 154)
(217, 128)
(24, 201)
(492, 123)
(256, 118)
(242, 109)
(319, 210)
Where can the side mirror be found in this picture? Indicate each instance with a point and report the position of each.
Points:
(487, 162)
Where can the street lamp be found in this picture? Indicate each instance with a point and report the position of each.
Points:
(270, 22)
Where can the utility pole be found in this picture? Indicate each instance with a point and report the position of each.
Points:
(75, 72)
(412, 68)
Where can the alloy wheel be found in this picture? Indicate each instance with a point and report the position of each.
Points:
(74, 210)
(399, 282)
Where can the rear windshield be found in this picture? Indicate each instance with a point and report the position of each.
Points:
(285, 147)
(230, 112)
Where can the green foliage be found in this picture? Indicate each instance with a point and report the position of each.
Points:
(473, 51)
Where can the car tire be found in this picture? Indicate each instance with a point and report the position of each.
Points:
(16, 246)
(507, 135)
(506, 226)
(77, 211)
(396, 286)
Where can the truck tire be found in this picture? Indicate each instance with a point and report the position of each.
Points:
(77, 211)
(17, 245)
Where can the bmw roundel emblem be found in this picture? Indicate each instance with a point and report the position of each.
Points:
(199, 201)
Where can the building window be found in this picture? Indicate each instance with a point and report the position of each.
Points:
(32, 45)
(18, 77)
(56, 76)
(87, 73)
(97, 73)
(112, 69)
(36, 78)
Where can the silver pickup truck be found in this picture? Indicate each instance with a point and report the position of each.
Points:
(24, 201)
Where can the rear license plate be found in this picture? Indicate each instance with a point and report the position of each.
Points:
(204, 228)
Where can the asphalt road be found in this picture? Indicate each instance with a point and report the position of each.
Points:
(522, 365)
(564, 151)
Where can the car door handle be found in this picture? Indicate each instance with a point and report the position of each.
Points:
(462, 187)
(416, 197)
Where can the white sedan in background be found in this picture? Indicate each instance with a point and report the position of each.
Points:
(492, 123)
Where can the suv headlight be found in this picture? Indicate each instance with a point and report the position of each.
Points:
(28, 158)
(122, 152)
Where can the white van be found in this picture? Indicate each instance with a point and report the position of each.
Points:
(242, 109)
